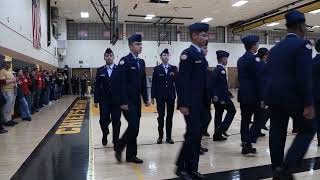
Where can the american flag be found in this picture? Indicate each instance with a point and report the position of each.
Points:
(36, 24)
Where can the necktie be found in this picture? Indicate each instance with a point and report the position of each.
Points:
(166, 69)
(137, 61)
(109, 71)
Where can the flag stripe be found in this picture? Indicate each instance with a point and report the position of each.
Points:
(36, 24)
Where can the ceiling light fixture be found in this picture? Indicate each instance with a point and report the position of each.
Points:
(239, 3)
(84, 15)
(206, 20)
(273, 24)
(149, 16)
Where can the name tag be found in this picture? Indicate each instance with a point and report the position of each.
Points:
(102, 75)
(161, 74)
(133, 67)
(198, 61)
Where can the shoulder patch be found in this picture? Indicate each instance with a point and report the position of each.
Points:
(308, 46)
(257, 59)
(183, 57)
(121, 62)
(223, 72)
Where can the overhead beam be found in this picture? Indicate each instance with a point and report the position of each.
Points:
(137, 15)
(144, 22)
(276, 17)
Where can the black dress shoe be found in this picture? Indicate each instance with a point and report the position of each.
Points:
(135, 160)
(104, 139)
(203, 149)
(14, 122)
(225, 134)
(9, 123)
(118, 155)
(247, 149)
(159, 141)
(2, 131)
(183, 175)
(196, 175)
(206, 134)
(261, 134)
(219, 137)
(170, 141)
(26, 119)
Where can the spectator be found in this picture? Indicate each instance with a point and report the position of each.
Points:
(66, 83)
(73, 84)
(60, 85)
(2, 99)
(46, 88)
(8, 91)
(32, 88)
(39, 86)
(83, 84)
(22, 93)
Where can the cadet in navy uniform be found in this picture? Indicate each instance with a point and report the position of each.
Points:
(132, 70)
(222, 98)
(107, 94)
(249, 93)
(164, 91)
(262, 59)
(316, 86)
(207, 113)
(192, 99)
(289, 93)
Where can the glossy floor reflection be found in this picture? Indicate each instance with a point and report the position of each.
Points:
(223, 160)
(22, 139)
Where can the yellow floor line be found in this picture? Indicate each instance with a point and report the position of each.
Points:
(137, 171)
(90, 174)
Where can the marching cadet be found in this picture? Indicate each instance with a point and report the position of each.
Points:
(192, 85)
(164, 91)
(107, 97)
(222, 98)
(207, 112)
(262, 59)
(316, 86)
(289, 93)
(249, 94)
(132, 70)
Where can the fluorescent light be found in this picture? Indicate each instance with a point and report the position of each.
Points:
(206, 20)
(313, 27)
(84, 15)
(273, 24)
(151, 15)
(315, 11)
(240, 3)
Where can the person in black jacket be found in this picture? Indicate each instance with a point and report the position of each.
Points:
(107, 97)
(164, 91)
(83, 85)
